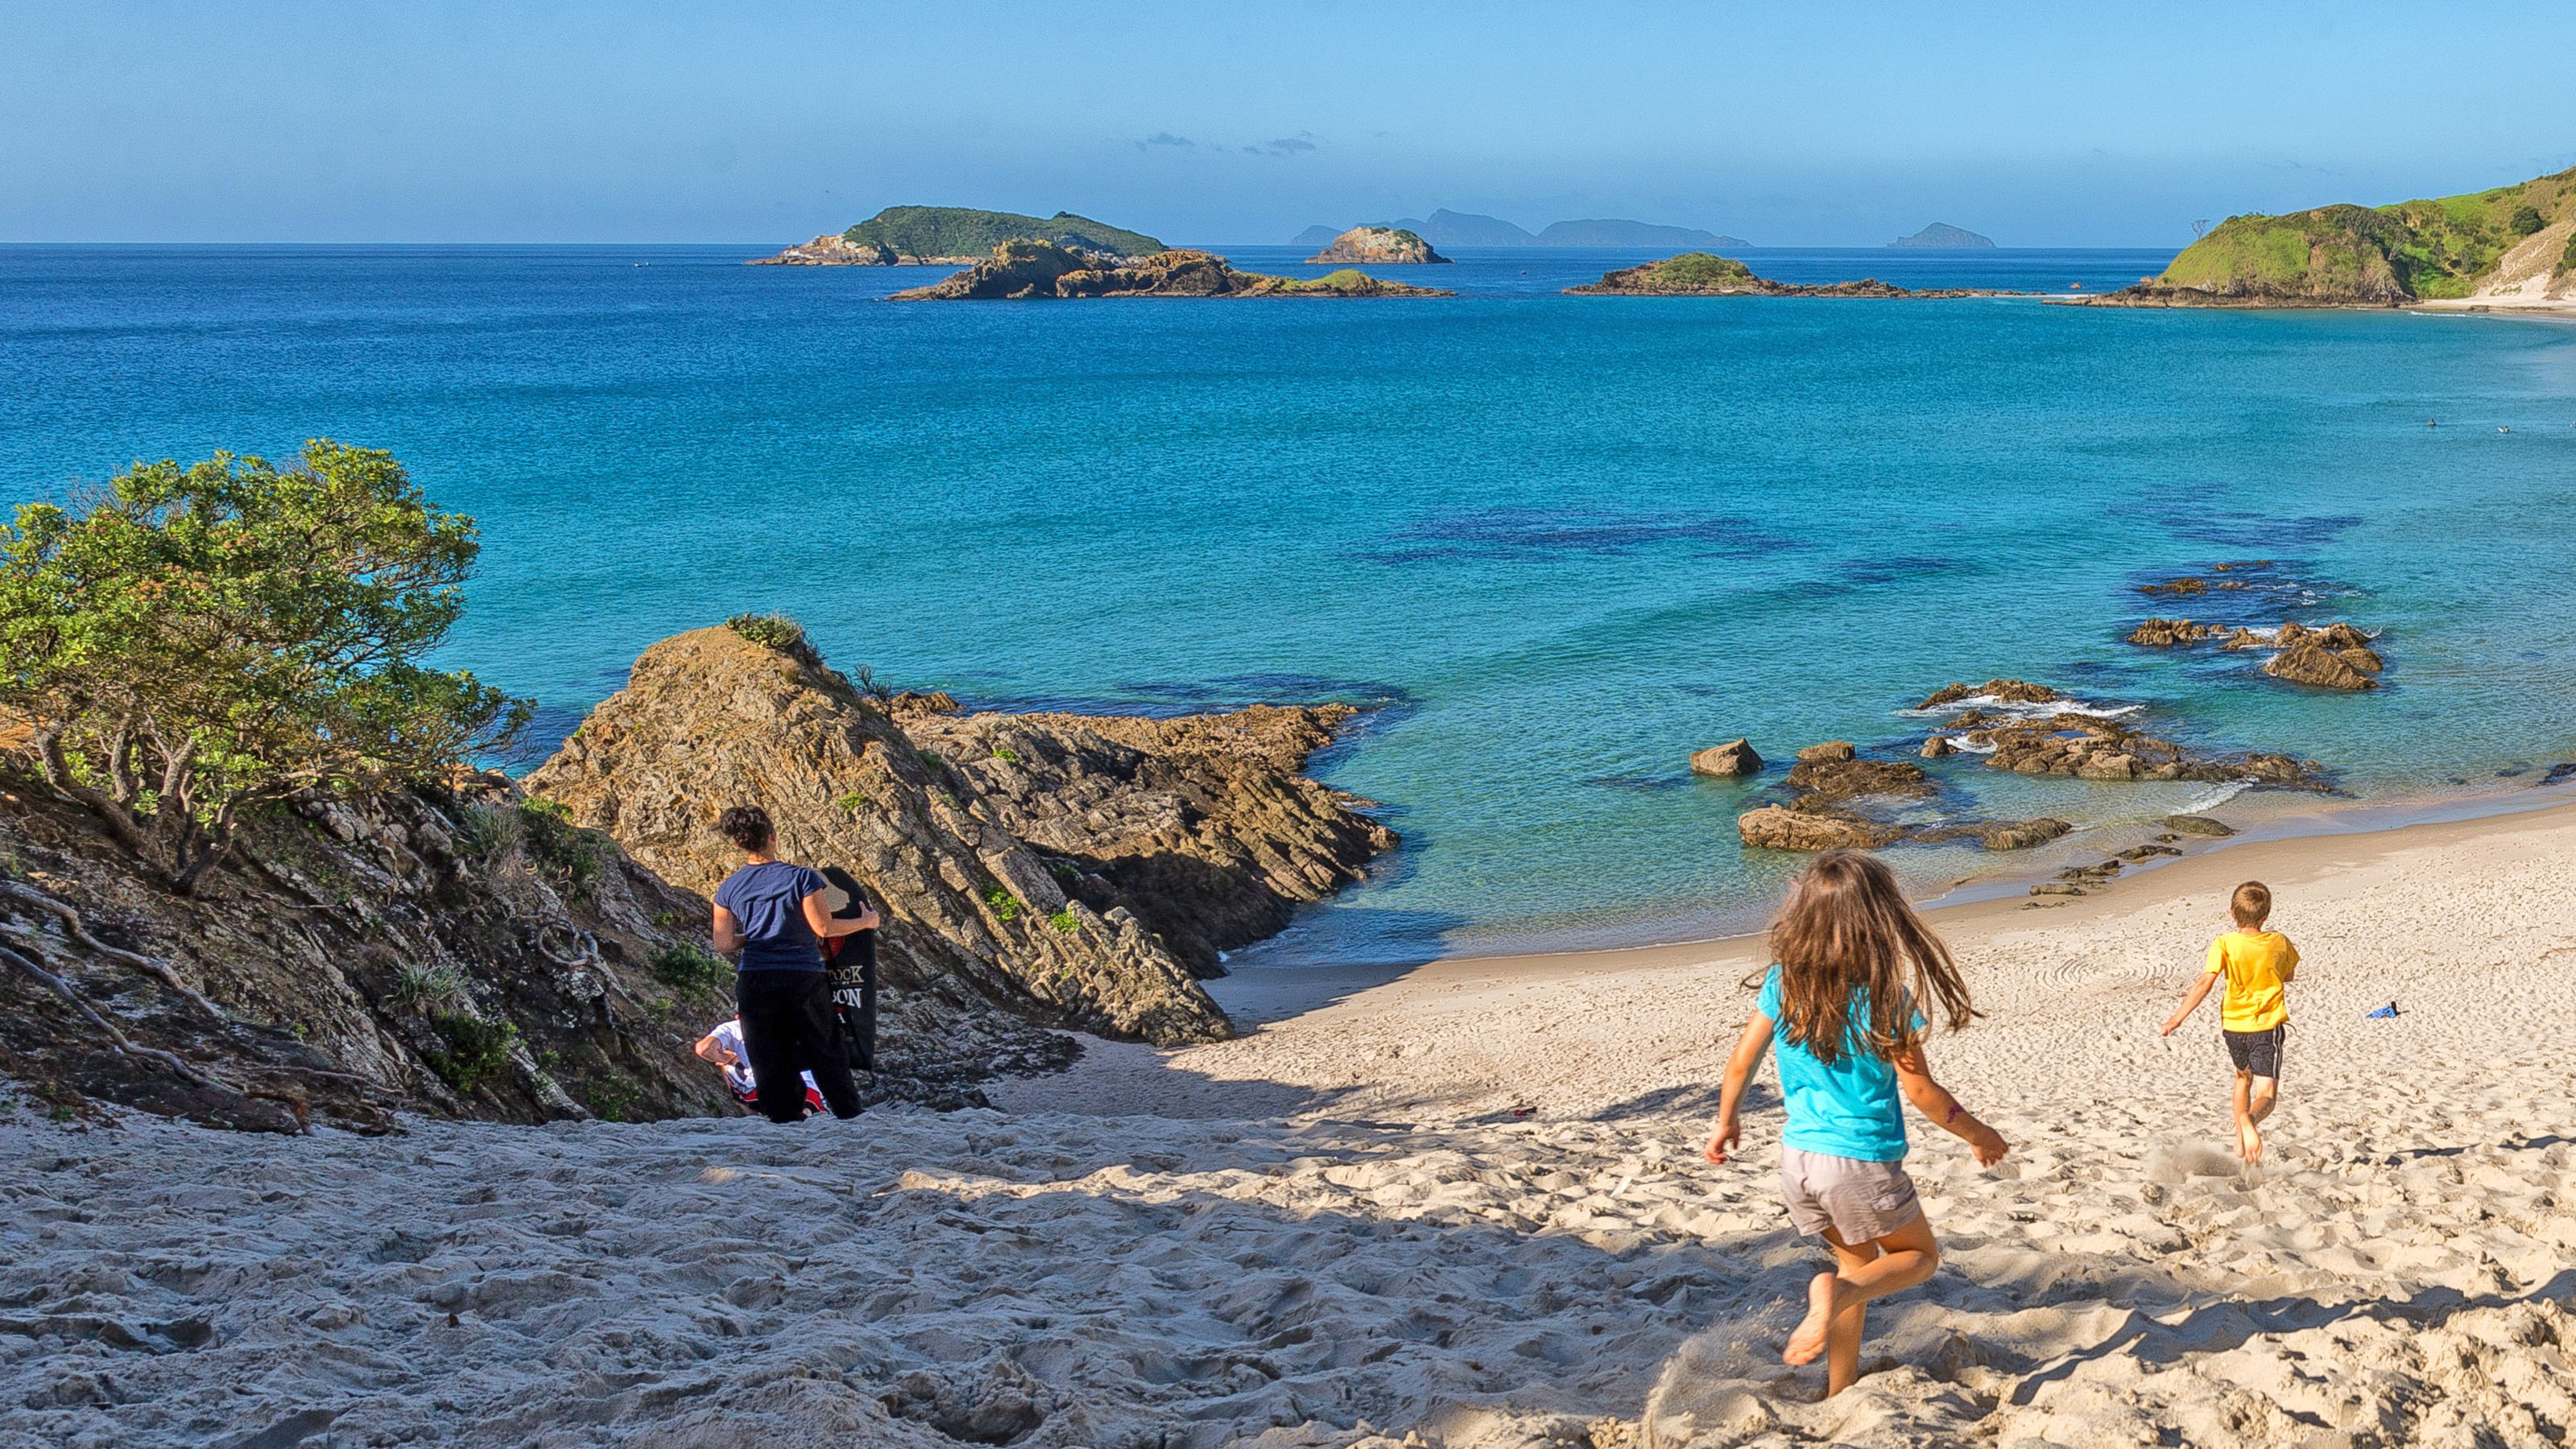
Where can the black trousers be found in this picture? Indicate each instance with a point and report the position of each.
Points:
(788, 1028)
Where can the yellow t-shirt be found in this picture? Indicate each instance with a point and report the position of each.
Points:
(2257, 964)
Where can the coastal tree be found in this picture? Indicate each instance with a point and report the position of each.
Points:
(190, 644)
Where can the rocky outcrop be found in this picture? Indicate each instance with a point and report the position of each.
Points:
(2169, 633)
(1736, 757)
(2089, 747)
(1021, 271)
(2001, 691)
(1777, 827)
(956, 236)
(1703, 274)
(1381, 245)
(1830, 779)
(2179, 588)
(832, 249)
(454, 953)
(2338, 656)
(1062, 870)
(2200, 825)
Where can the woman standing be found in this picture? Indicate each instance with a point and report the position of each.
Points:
(777, 916)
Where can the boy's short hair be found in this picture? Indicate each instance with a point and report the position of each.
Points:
(2251, 903)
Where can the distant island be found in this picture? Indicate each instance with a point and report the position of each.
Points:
(1942, 234)
(1383, 245)
(955, 236)
(1447, 228)
(2512, 246)
(1698, 274)
(1029, 270)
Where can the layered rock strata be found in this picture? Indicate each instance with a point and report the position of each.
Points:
(1065, 870)
(1829, 782)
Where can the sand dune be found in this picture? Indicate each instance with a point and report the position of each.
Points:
(1463, 1206)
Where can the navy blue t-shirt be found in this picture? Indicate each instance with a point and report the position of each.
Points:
(768, 900)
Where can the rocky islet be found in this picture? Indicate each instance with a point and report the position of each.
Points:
(1026, 270)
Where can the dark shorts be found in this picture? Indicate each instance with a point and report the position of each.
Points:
(2258, 1052)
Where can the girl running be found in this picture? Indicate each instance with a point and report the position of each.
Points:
(1853, 965)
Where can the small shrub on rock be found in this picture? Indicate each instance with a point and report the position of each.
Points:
(477, 1050)
(684, 966)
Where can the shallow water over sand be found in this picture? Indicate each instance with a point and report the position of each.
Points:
(1563, 541)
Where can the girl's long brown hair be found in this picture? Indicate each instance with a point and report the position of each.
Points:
(1846, 930)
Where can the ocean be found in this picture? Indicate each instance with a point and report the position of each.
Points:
(1554, 543)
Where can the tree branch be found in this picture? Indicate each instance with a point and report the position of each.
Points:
(125, 1044)
(72, 927)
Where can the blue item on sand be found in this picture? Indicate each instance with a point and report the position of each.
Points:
(2389, 1010)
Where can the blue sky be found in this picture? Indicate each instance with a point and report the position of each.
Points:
(1804, 124)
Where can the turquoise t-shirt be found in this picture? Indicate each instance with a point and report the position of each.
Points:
(1849, 1109)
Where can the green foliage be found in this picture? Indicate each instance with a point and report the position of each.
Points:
(1006, 754)
(930, 760)
(489, 832)
(961, 231)
(476, 1049)
(1701, 270)
(781, 633)
(2567, 258)
(417, 986)
(1065, 921)
(612, 1098)
(189, 644)
(851, 803)
(2413, 249)
(685, 966)
(1065, 871)
(1006, 906)
(571, 856)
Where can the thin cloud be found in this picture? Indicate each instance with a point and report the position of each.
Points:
(1166, 138)
(1290, 145)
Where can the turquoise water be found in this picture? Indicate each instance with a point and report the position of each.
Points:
(1560, 542)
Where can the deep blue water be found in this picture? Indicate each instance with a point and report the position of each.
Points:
(1562, 541)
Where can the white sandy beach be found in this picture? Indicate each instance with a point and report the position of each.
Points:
(1464, 1205)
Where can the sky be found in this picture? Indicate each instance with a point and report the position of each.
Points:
(1805, 124)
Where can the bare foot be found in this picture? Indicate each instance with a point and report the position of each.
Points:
(2253, 1144)
(1809, 1338)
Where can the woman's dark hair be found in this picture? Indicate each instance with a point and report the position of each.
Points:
(746, 825)
(1846, 934)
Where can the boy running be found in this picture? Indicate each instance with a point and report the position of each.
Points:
(2253, 1014)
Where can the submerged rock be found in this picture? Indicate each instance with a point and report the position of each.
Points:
(2200, 825)
(1734, 758)
(2181, 588)
(1830, 779)
(1994, 834)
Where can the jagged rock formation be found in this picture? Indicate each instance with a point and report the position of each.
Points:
(1830, 778)
(450, 953)
(2338, 656)
(2089, 747)
(1701, 274)
(1020, 271)
(2002, 691)
(1023, 863)
(2512, 241)
(1382, 245)
(1735, 757)
(956, 236)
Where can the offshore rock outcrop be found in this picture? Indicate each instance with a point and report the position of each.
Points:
(448, 952)
(1022, 271)
(1380, 245)
(1831, 779)
(1702, 274)
(834, 249)
(2090, 747)
(2334, 656)
(1031, 865)
(955, 236)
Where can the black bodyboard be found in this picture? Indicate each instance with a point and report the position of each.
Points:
(850, 966)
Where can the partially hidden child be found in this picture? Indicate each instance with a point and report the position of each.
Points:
(2258, 965)
(1842, 1004)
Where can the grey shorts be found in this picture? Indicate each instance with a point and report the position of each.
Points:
(1859, 1200)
